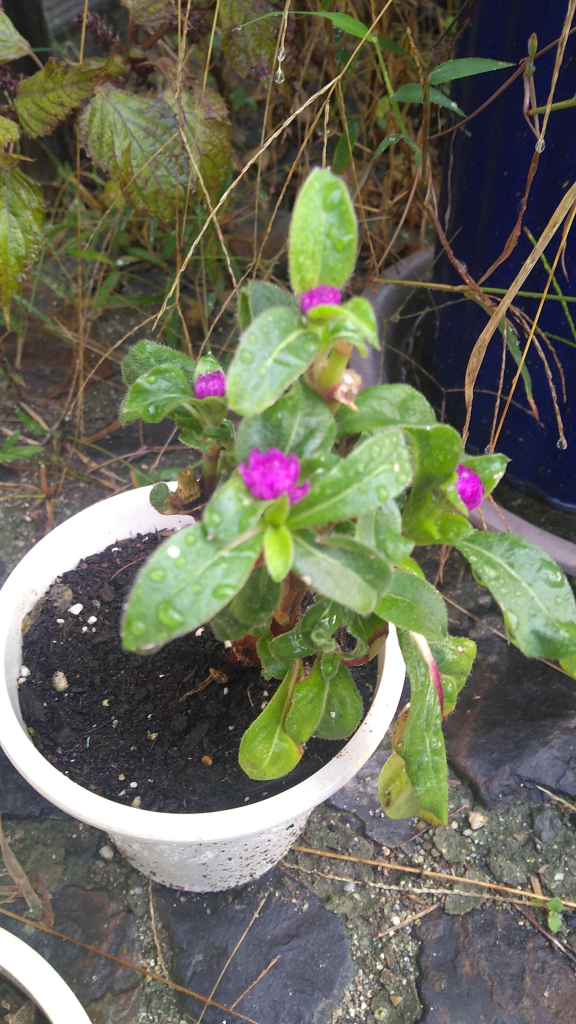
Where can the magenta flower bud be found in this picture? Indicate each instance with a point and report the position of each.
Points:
(210, 385)
(469, 486)
(269, 474)
(322, 295)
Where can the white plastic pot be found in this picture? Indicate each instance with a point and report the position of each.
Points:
(199, 852)
(26, 969)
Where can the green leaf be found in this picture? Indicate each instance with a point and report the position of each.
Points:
(232, 510)
(21, 234)
(250, 610)
(11, 451)
(155, 394)
(374, 471)
(412, 93)
(159, 495)
(323, 233)
(556, 905)
(415, 605)
(513, 346)
(249, 52)
(152, 14)
(436, 451)
(300, 421)
(354, 320)
(184, 584)
(313, 633)
(9, 131)
(266, 749)
(346, 23)
(272, 667)
(465, 67)
(46, 98)
(342, 569)
(343, 708)
(278, 551)
(569, 665)
(307, 705)
(533, 593)
(208, 134)
(490, 468)
(135, 139)
(380, 529)
(12, 44)
(146, 355)
(273, 352)
(385, 405)
(263, 295)
(422, 744)
(397, 796)
(387, 141)
(345, 145)
(454, 658)
(554, 921)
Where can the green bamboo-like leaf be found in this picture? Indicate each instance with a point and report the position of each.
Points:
(422, 744)
(155, 394)
(376, 470)
(513, 345)
(464, 67)
(345, 145)
(248, 45)
(46, 98)
(533, 593)
(273, 352)
(341, 569)
(11, 451)
(152, 14)
(454, 657)
(342, 712)
(146, 355)
(12, 44)
(135, 139)
(346, 23)
(266, 749)
(323, 233)
(300, 421)
(208, 133)
(187, 580)
(385, 405)
(413, 604)
(9, 131)
(21, 234)
(412, 93)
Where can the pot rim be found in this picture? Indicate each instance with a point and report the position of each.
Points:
(31, 973)
(88, 532)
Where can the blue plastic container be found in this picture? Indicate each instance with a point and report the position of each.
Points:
(485, 170)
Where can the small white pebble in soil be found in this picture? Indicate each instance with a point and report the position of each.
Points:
(122, 792)
(106, 852)
(60, 622)
(24, 672)
(75, 609)
(173, 551)
(121, 778)
(477, 819)
(59, 682)
(137, 801)
(227, 644)
(84, 629)
(199, 631)
(454, 825)
(467, 832)
(230, 727)
(559, 876)
(396, 920)
(133, 785)
(225, 690)
(92, 620)
(137, 890)
(115, 723)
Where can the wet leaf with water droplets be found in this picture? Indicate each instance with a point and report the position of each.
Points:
(323, 233)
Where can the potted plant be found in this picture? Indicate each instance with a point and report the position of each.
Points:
(310, 501)
(26, 969)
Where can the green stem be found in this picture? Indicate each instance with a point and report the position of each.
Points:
(331, 374)
(210, 467)
(393, 101)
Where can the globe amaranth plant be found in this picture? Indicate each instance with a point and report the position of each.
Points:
(324, 489)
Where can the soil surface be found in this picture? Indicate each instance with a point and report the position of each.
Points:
(115, 722)
(16, 1008)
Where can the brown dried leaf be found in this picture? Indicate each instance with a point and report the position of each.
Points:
(19, 876)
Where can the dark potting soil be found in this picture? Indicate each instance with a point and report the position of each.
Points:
(120, 728)
(13, 1005)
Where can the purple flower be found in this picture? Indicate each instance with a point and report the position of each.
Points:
(269, 474)
(210, 385)
(322, 295)
(469, 486)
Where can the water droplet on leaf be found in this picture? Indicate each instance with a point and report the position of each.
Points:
(279, 77)
(246, 357)
(168, 615)
(158, 575)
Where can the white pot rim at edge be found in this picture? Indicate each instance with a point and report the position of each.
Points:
(89, 532)
(31, 973)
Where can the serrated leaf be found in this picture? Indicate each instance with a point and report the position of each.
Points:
(266, 749)
(207, 129)
(413, 604)
(535, 597)
(145, 355)
(155, 394)
(412, 93)
(273, 352)
(46, 98)
(421, 746)
(385, 405)
(21, 234)
(151, 14)
(341, 569)
(464, 67)
(454, 657)
(187, 580)
(12, 44)
(300, 422)
(376, 470)
(343, 708)
(135, 139)
(248, 48)
(323, 235)
(9, 131)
